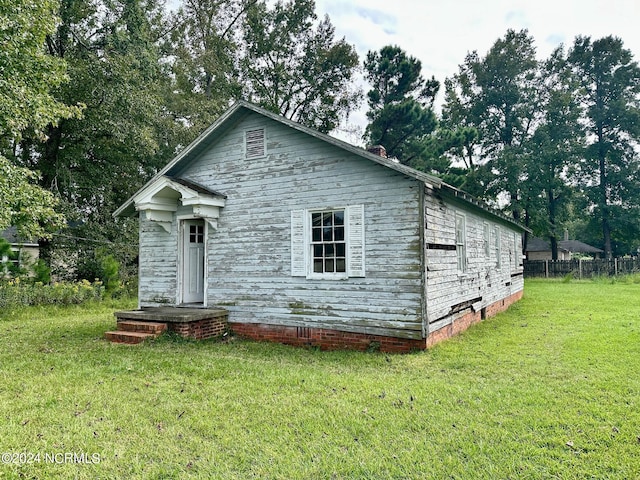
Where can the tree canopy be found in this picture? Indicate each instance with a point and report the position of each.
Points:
(294, 66)
(400, 103)
(557, 138)
(27, 106)
(97, 95)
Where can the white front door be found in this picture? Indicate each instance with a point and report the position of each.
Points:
(193, 261)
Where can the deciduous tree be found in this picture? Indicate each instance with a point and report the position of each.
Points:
(27, 105)
(293, 65)
(498, 96)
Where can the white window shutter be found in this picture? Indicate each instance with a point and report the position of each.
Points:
(355, 255)
(298, 250)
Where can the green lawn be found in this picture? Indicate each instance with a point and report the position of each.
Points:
(550, 389)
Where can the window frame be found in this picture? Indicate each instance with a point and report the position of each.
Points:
(302, 245)
(310, 244)
(461, 241)
(497, 246)
(517, 249)
(486, 233)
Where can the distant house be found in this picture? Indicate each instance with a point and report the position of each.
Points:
(23, 251)
(309, 240)
(540, 249)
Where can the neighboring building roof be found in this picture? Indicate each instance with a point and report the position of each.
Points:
(577, 246)
(241, 109)
(11, 236)
(535, 244)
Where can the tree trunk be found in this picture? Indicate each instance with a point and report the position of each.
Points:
(604, 193)
(554, 247)
(48, 164)
(551, 202)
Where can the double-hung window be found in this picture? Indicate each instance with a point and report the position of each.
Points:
(497, 244)
(486, 237)
(461, 242)
(328, 243)
(517, 249)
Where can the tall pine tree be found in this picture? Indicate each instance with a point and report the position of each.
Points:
(400, 102)
(610, 93)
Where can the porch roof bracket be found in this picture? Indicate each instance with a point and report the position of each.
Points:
(164, 218)
(159, 202)
(205, 207)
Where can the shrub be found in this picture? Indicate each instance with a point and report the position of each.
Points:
(110, 273)
(41, 272)
(15, 293)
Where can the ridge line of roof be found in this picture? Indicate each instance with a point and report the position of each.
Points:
(424, 177)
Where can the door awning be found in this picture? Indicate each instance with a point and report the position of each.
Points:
(161, 199)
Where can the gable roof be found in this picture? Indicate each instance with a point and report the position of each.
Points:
(242, 108)
(535, 244)
(577, 246)
(12, 237)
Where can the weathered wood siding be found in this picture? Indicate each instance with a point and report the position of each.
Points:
(449, 291)
(249, 256)
(157, 269)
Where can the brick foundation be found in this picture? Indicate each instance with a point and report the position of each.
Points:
(200, 329)
(335, 340)
(324, 338)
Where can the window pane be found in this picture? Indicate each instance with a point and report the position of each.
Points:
(192, 238)
(328, 219)
(338, 218)
(340, 249)
(317, 235)
(341, 265)
(339, 234)
(329, 265)
(316, 219)
(317, 266)
(317, 251)
(192, 229)
(327, 234)
(329, 250)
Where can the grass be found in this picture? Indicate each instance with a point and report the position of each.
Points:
(549, 389)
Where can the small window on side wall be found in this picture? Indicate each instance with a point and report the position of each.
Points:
(254, 143)
(498, 246)
(461, 242)
(486, 234)
(517, 249)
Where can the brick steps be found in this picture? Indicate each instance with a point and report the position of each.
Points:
(134, 331)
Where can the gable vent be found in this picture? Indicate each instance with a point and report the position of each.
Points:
(254, 143)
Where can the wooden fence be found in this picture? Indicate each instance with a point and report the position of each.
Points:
(583, 268)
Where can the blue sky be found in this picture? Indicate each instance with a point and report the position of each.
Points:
(441, 32)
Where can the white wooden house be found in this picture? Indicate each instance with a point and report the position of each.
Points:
(23, 252)
(306, 239)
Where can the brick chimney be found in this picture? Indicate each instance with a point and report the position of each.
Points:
(378, 150)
